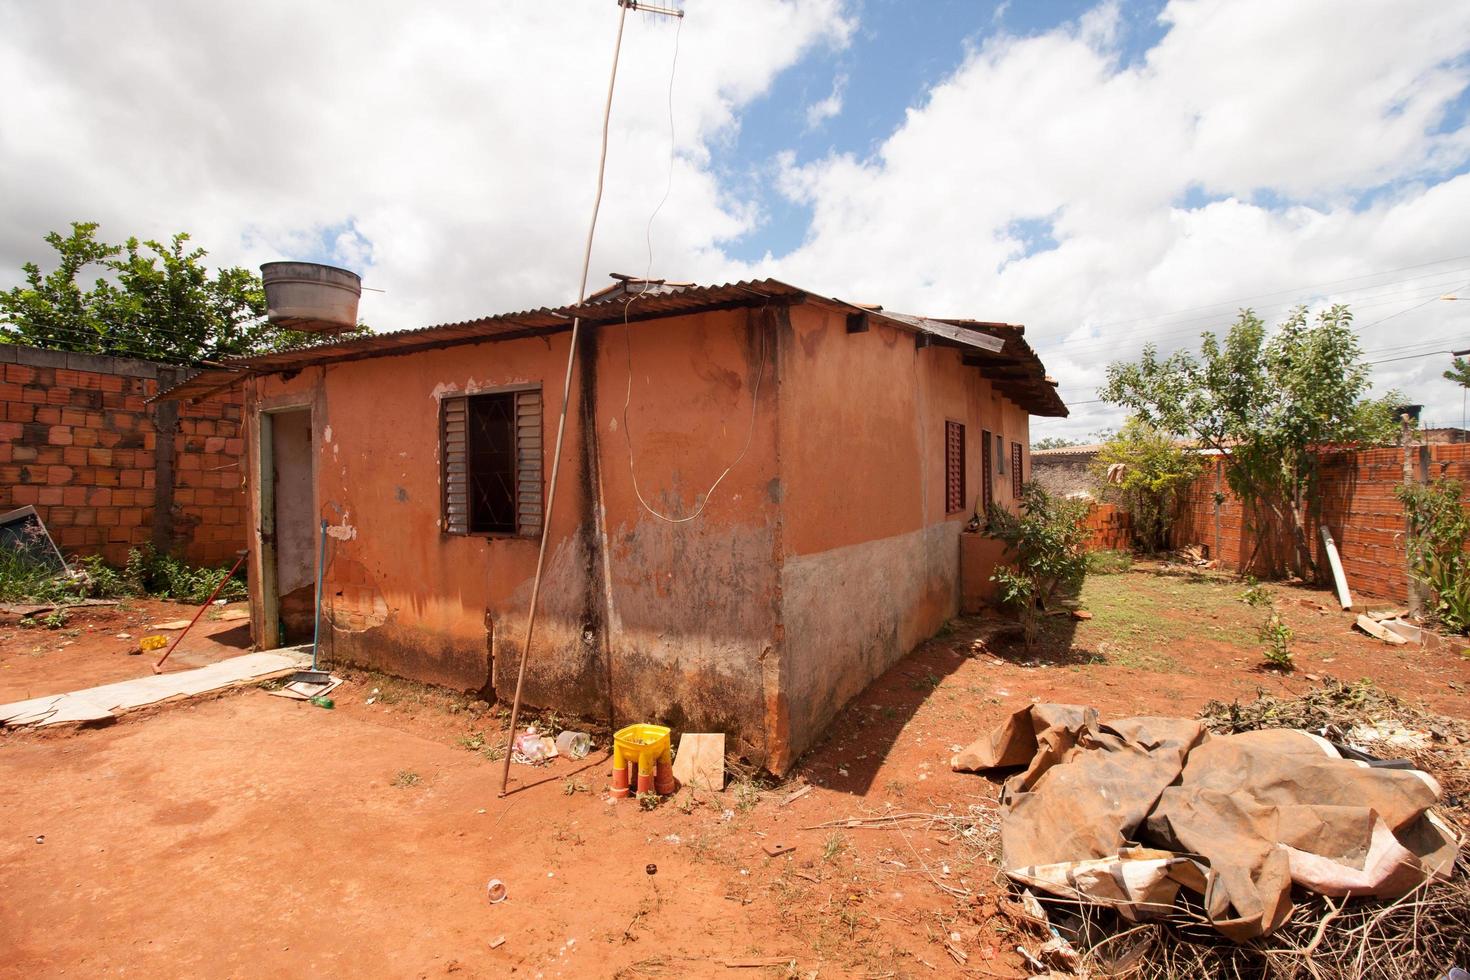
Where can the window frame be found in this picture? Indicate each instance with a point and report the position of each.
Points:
(1018, 460)
(529, 462)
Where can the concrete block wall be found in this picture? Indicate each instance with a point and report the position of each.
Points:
(107, 472)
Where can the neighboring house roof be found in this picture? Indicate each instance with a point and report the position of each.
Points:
(1066, 454)
(998, 349)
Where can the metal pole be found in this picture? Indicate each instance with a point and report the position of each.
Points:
(561, 424)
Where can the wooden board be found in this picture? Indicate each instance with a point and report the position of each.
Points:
(700, 761)
(1379, 630)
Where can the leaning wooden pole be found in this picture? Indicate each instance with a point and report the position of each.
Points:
(561, 424)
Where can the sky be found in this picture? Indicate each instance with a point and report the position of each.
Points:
(1109, 174)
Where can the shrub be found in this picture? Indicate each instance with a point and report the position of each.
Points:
(1438, 529)
(24, 579)
(1047, 540)
(1154, 470)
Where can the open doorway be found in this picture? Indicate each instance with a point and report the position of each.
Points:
(288, 525)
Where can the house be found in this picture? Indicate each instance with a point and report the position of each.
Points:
(760, 498)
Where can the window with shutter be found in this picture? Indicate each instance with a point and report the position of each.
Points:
(987, 473)
(490, 445)
(1016, 480)
(954, 467)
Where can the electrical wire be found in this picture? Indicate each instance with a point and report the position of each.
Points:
(647, 285)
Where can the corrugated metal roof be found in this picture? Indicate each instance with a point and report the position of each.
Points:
(998, 340)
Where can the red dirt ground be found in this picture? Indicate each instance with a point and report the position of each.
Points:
(250, 835)
(87, 650)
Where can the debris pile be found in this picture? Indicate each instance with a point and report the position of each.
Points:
(1212, 846)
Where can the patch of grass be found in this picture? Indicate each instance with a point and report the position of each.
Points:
(833, 846)
(474, 741)
(1109, 562)
(571, 787)
(405, 778)
(55, 620)
(747, 791)
(926, 681)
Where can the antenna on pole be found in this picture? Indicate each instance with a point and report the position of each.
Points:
(649, 8)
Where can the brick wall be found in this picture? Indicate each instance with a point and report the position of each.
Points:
(78, 442)
(1110, 528)
(1359, 509)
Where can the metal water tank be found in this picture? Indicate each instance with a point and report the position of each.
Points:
(310, 297)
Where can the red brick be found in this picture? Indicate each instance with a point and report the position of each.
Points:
(74, 456)
(25, 493)
(98, 496)
(106, 478)
(131, 478)
(131, 516)
(84, 437)
(50, 496)
(33, 395)
(56, 475)
(20, 374)
(99, 457)
(59, 435)
(58, 396)
(74, 496)
(85, 516)
(108, 516)
(10, 431)
(73, 416)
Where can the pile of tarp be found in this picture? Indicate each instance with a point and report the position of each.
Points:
(1127, 813)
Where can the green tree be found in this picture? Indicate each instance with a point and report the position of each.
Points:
(150, 300)
(1270, 405)
(1438, 531)
(1153, 468)
(1459, 372)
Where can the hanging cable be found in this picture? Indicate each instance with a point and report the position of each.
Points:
(701, 500)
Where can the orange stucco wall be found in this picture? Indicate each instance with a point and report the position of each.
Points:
(821, 556)
(871, 559)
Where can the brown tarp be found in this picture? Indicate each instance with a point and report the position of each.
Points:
(1125, 813)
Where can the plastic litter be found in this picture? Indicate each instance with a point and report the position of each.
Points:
(532, 748)
(495, 891)
(574, 745)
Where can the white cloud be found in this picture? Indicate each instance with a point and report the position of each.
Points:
(1249, 102)
(828, 108)
(453, 146)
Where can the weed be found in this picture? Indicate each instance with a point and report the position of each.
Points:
(895, 786)
(54, 621)
(833, 846)
(571, 787)
(927, 681)
(1255, 594)
(493, 753)
(474, 741)
(649, 801)
(889, 712)
(405, 778)
(747, 794)
(1277, 637)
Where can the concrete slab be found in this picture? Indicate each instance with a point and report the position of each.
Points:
(98, 703)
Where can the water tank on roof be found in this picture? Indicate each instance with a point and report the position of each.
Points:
(310, 297)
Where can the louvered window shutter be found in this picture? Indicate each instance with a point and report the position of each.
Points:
(528, 463)
(453, 415)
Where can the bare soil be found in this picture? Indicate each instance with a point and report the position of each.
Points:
(250, 835)
(99, 645)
